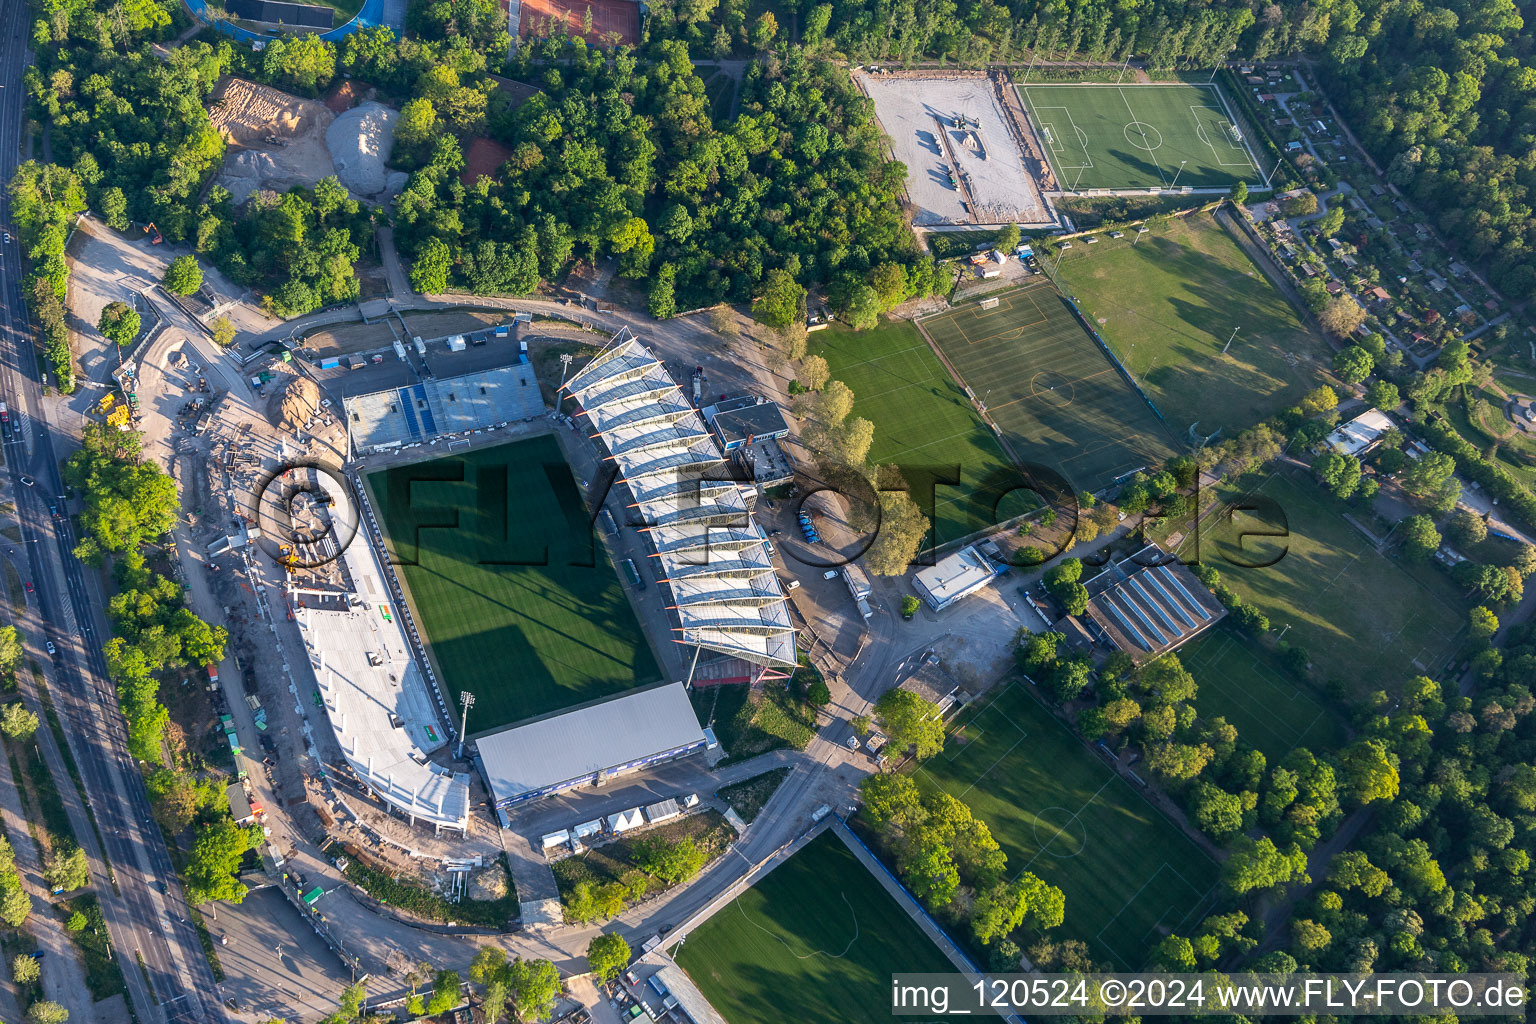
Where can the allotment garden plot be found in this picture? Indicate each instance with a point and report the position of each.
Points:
(1128, 873)
(1055, 396)
(1366, 619)
(1139, 136)
(923, 422)
(816, 940)
(517, 599)
(1204, 332)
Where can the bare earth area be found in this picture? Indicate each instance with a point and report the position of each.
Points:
(920, 116)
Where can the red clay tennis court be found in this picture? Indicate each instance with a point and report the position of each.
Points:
(539, 17)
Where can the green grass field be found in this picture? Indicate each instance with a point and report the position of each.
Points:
(1367, 619)
(1128, 873)
(1138, 136)
(1049, 388)
(1167, 307)
(923, 420)
(517, 600)
(1244, 684)
(816, 940)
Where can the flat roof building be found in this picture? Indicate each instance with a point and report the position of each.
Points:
(421, 412)
(1359, 435)
(240, 806)
(742, 424)
(589, 745)
(953, 577)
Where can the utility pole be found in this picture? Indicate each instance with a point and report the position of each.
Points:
(466, 701)
(1229, 342)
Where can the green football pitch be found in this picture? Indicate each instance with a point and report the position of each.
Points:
(816, 940)
(1139, 136)
(924, 423)
(516, 599)
(1243, 683)
(1049, 388)
(1128, 873)
(1365, 619)
(1206, 334)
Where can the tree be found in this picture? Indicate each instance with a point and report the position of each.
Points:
(1341, 316)
(764, 29)
(1340, 473)
(1303, 204)
(1368, 772)
(1218, 813)
(1466, 527)
(781, 301)
(814, 373)
(863, 308)
(1259, 864)
(890, 801)
(1061, 581)
(68, 871)
(45, 1011)
(902, 530)
(1239, 193)
(183, 276)
(17, 723)
(1007, 238)
(672, 862)
(607, 956)
(533, 985)
(910, 722)
(661, 299)
(1420, 538)
(430, 270)
(77, 922)
(1483, 623)
(215, 858)
(223, 331)
(114, 209)
(119, 323)
(1329, 223)
(1431, 479)
(25, 970)
(1319, 400)
(1352, 364)
(1383, 395)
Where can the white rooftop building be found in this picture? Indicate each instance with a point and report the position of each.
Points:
(377, 699)
(588, 745)
(953, 577)
(1359, 435)
(711, 554)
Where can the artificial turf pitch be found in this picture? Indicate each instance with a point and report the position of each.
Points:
(923, 423)
(1245, 684)
(817, 939)
(517, 601)
(1168, 306)
(1128, 873)
(1138, 136)
(1057, 399)
(1365, 619)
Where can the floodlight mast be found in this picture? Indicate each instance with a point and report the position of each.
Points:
(466, 701)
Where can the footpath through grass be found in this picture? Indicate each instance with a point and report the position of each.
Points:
(923, 422)
(1129, 874)
(1366, 619)
(519, 601)
(816, 940)
(1167, 306)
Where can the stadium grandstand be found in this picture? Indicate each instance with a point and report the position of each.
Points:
(372, 689)
(1147, 605)
(431, 409)
(711, 553)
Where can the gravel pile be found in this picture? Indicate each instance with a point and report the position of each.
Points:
(360, 141)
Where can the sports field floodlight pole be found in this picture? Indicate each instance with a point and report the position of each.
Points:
(1139, 232)
(1229, 341)
(466, 701)
(1122, 69)
(1177, 173)
(565, 366)
(1033, 56)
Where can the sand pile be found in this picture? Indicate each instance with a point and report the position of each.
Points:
(360, 142)
(295, 404)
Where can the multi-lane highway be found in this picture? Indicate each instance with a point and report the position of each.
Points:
(145, 913)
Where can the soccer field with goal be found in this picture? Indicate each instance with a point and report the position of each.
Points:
(1140, 136)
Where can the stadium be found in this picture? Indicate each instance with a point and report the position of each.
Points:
(443, 601)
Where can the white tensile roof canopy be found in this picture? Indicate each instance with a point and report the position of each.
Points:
(710, 551)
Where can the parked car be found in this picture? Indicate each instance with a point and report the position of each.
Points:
(830, 574)
(51, 649)
(28, 481)
(28, 585)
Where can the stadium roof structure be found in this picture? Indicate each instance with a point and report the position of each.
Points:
(602, 739)
(373, 691)
(1147, 604)
(712, 554)
(430, 409)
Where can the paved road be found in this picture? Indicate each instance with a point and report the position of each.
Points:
(67, 608)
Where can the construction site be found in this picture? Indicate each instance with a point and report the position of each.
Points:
(277, 140)
(967, 150)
